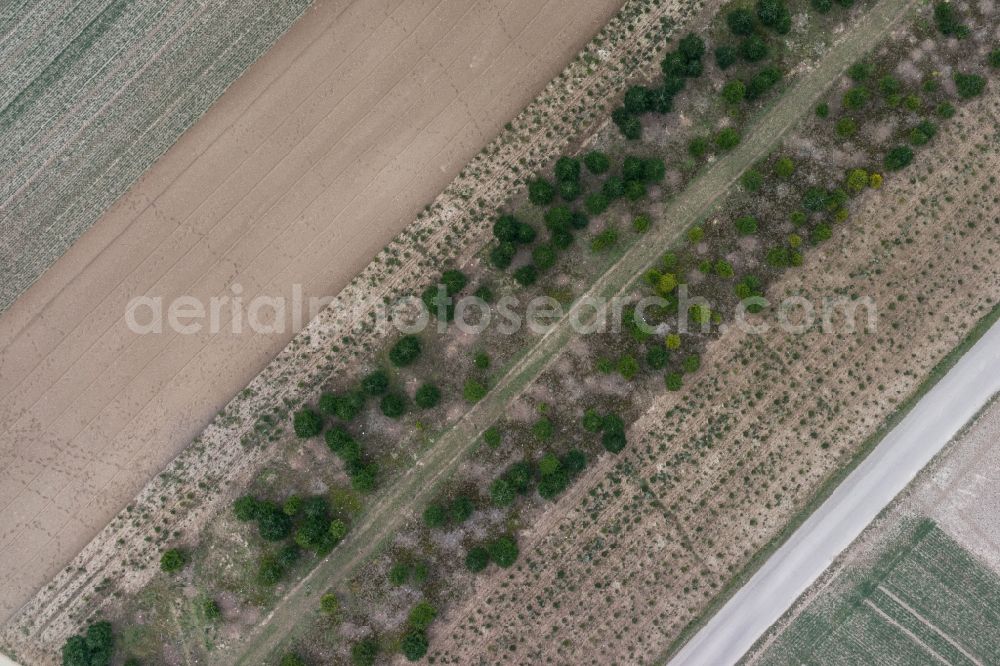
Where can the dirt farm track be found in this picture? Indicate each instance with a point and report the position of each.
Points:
(306, 167)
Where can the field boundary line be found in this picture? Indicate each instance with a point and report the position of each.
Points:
(884, 590)
(913, 637)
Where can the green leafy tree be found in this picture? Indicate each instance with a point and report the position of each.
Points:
(405, 352)
(337, 530)
(725, 56)
(570, 190)
(856, 98)
(775, 15)
(637, 99)
(763, 81)
(291, 659)
(427, 396)
(592, 421)
(474, 390)
(375, 383)
(814, 199)
(604, 240)
(784, 167)
(691, 363)
(345, 406)
(210, 610)
(741, 22)
(292, 505)
(364, 652)
(246, 508)
(477, 559)
(674, 381)
(923, 133)
(734, 91)
(657, 357)
(946, 19)
(898, 157)
(329, 604)
(889, 85)
(363, 476)
(414, 645)
(846, 127)
(273, 523)
(435, 516)
(746, 225)
(502, 493)
(753, 49)
(95, 648)
(752, 180)
(493, 437)
(859, 71)
(342, 443)
(628, 367)
(596, 203)
(307, 423)
(727, 138)
(503, 551)
(461, 509)
(541, 192)
(613, 439)
(526, 275)
(393, 405)
(698, 146)
(174, 559)
(567, 168)
(505, 229)
(692, 48)
(857, 180)
(543, 429)
(574, 462)
(969, 85)
(422, 615)
(502, 255)
(544, 257)
(613, 188)
(634, 190)
(820, 233)
(596, 162)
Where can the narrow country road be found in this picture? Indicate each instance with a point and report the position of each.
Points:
(905, 450)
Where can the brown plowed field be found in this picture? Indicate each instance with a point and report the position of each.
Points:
(304, 169)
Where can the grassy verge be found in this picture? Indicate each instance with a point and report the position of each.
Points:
(826, 489)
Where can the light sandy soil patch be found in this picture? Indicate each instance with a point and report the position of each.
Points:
(272, 199)
(642, 544)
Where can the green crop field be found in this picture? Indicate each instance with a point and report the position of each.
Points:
(925, 600)
(92, 93)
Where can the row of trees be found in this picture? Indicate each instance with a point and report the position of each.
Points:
(96, 647)
(561, 221)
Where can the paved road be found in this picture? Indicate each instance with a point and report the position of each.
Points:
(931, 424)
